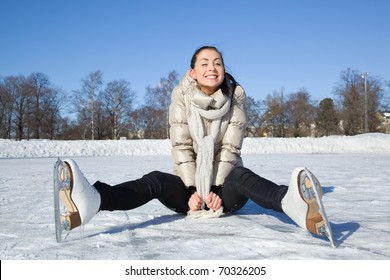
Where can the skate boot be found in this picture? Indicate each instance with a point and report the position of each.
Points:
(80, 199)
(303, 203)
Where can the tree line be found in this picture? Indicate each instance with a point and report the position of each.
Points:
(31, 107)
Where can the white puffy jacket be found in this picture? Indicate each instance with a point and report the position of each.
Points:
(229, 139)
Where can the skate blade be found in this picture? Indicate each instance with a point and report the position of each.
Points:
(317, 219)
(57, 185)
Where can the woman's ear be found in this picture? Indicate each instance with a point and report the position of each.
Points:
(192, 74)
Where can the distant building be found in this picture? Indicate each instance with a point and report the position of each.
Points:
(385, 122)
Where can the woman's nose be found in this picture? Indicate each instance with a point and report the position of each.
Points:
(212, 67)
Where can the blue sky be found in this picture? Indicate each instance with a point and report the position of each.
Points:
(267, 45)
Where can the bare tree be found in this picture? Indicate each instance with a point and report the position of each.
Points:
(52, 105)
(301, 113)
(153, 122)
(102, 120)
(39, 84)
(29, 107)
(160, 98)
(20, 101)
(137, 123)
(275, 116)
(14, 104)
(86, 99)
(351, 92)
(255, 111)
(6, 108)
(118, 99)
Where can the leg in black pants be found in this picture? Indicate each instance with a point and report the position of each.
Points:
(240, 185)
(167, 188)
(243, 184)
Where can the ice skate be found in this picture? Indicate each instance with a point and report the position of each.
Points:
(303, 203)
(75, 200)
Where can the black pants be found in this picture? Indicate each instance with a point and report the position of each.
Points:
(241, 184)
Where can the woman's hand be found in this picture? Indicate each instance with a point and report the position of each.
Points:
(195, 202)
(213, 201)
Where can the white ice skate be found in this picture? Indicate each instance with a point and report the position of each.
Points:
(75, 200)
(303, 203)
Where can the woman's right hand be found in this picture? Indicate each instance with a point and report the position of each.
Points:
(195, 202)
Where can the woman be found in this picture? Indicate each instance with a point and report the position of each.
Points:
(207, 126)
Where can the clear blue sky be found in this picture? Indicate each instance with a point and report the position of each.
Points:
(267, 45)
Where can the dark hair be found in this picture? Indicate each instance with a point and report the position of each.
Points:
(228, 78)
(195, 55)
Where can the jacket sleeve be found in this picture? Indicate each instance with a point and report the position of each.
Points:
(182, 146)
(229, 155)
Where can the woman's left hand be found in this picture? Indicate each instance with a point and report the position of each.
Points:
(213, 201)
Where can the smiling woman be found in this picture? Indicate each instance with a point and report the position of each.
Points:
(209, 71)
(207, 118)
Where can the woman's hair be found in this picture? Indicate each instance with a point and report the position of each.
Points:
(195, 55)
(228, 77)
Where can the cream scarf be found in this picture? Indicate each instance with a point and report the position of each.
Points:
(205, 153)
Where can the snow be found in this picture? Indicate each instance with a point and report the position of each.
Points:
(365, 143)
(354, 172)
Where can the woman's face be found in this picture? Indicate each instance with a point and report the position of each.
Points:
(209, 71)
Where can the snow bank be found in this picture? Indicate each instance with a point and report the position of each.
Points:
(364, 143)
(372, 142)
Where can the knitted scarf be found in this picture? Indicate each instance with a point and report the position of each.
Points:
(205, 152)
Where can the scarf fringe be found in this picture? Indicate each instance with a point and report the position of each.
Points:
(205, 214)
